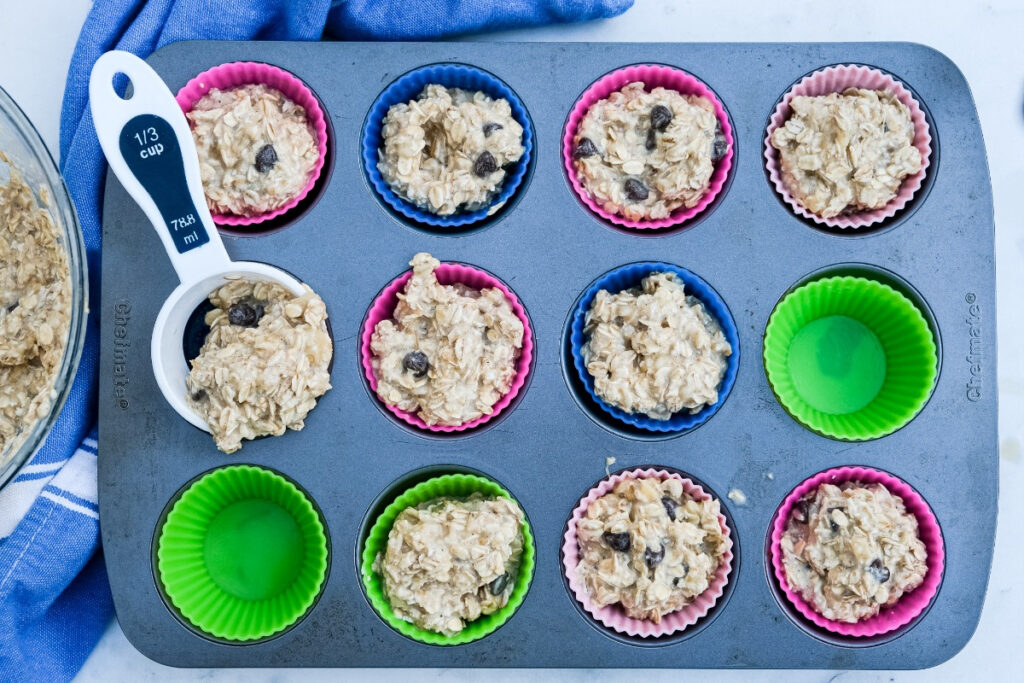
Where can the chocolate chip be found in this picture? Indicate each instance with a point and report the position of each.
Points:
(199, 395)
(720, 146)
(244, 314)
(652, 558)
(490, 127)
(635, 190)
(619, 541)
(266, 158)
(498, 586)
(831, 522)
(661, 116)
(670, 507)
(485, 164)
(11, 307)
(584, 148)
(878, 570)
(416, 362)
(652, 140)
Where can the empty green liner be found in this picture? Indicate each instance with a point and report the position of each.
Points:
(444, 486)
(243, 553)
(849, 357)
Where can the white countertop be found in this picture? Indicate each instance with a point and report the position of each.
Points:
(983, 38)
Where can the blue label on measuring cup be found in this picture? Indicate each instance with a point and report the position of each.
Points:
(149, 146)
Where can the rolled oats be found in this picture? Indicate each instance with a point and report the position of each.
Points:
(649, 546)
(449, 353)
(256, 148)
(264, 363)
(654, 349)
(449, 561)
(446, 150)
(642, 155)
(846, 152)
(851, 550)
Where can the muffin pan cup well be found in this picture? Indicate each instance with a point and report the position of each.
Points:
(546, 449)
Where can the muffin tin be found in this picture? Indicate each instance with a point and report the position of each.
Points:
(550, 446)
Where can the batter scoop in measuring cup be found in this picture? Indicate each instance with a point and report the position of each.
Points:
(264, 363)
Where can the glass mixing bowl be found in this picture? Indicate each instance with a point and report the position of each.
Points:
(25, 150)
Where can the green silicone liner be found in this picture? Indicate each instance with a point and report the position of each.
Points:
(184, 573)
(444, 486)
(908, 344)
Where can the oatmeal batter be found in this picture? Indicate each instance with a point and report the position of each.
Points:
(450, 352)
(446, 151)
(449, 562)
(644, 154)
(848, 152)
(256, 147)
(35, 311)
(264, 363)
(654, 349)
(851, 550)
(650, 547)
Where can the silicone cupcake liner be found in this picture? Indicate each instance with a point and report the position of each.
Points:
(383, 308)
(837, 79)
(236, 74)
(907, 349)
(630, 276)
(407, 88)
(450, 486)
(912, 604)
(242, 554)
(614, 616)
(652, 76)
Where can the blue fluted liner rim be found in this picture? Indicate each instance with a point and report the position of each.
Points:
(629, 276)
(407, 88)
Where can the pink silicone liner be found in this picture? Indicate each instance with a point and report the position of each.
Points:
(652, 76)
(837, 79)
(383, 308)
(236, 74)
(614, 616)
(911, 604)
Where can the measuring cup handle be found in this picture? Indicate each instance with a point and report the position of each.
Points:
(149, 146)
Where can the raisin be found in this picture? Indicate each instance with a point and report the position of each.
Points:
(485, 164)
(652, 140)
(802, 510)
(490, 127)
(416, 362)
(720, 146)
(636, 190)
(11, 307)
(244, 314)
(652, 558)
(199, 395)
(670, 507)
(584, 148)
(661, 116)
(498, 586)
(619, 541)
(266, 158)
(878, 570)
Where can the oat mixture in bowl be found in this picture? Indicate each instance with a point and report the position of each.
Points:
(647, 552)
(264, 363)
(450, 560)
(654, 346)
(447, 346)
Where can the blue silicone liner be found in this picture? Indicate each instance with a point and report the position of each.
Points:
(629, 276)
(407, 88)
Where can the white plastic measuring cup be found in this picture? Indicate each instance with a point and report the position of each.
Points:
(149, 146)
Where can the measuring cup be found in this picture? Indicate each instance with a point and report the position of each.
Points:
(149, 146)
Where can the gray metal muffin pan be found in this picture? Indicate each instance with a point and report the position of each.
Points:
(547, 449)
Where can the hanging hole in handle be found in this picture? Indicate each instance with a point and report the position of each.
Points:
(122, 86)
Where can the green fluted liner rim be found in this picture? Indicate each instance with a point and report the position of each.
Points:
(908, 342)
(182, 569)
(450, 486)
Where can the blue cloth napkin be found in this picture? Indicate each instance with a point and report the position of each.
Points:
(54, 598)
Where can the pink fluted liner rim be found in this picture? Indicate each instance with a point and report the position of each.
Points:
(383, 307)
(653, 76)
(614, 616)
(912, 604)
(235, 74)
(836, 79)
